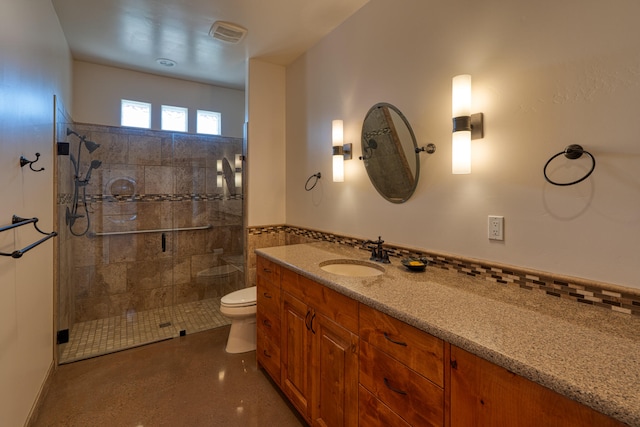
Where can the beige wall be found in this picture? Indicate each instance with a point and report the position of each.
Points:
(266, 144)
(98, 90)
(34, 68)
(546, 74)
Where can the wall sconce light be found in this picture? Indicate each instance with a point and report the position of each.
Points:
(238, 167)
(219, 176)
(341, 151)
(466, 126)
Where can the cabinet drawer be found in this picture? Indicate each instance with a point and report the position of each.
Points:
(268, 354)
(337, 307)
(269, 322)
(418, 350)
(268, 270)
(405, 392)
(268, 296)
(373, 413)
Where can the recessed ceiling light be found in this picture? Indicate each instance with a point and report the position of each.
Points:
(166, 62)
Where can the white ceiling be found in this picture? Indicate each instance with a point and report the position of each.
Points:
(132, 34)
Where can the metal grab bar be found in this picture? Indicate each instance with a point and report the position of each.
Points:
(157, 230)
(16, 222)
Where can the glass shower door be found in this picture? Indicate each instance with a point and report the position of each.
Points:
(207, 241)
(151, 236)
(115, 254)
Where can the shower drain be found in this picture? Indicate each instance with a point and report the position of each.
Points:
(165, 324)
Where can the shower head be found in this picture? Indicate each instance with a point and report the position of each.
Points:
(91, 146)
(95, 164)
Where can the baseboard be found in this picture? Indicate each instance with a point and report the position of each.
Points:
(44, 389)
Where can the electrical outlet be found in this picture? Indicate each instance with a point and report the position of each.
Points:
(496, 227)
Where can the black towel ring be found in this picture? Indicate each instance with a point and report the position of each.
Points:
(317, 176)
(572, 152)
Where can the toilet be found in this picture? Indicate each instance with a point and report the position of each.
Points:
(240, 307)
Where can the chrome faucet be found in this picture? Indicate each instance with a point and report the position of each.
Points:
(377, 253)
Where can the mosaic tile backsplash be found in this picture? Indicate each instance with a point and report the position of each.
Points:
(616, 298)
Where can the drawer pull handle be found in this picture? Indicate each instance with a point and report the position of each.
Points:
(266, 323)
(404, 344)
(306, 320)
(266, 270)
(266, 353)
(311, 323)
(267, 295)
(396, 390)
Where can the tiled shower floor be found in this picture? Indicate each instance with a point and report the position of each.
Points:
(103, 336)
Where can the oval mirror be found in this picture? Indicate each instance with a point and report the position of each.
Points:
(389, 153)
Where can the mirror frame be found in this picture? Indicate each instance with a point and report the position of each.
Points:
(373, 179)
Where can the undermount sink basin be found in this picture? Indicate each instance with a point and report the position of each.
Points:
(352, 268)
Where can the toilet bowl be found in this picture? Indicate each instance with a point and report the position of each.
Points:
(240, 307)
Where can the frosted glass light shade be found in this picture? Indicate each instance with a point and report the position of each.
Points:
(461, 152)
(461, 96)
(338, 168)
(337, 140)
(461, 140)
(337, 132)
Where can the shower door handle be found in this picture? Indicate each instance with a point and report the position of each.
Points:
(164, 242)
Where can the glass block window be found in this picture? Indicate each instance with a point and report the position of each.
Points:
(174, 118)
(208, 122)
(135, 114)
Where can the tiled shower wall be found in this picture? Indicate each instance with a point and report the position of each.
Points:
(151, 180)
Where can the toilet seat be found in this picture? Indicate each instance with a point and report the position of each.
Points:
(243, 298)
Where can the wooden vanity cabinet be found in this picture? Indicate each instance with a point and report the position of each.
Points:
(402, 375)
(485, 394)
(319, 351)
(268, 309)
(342, 363)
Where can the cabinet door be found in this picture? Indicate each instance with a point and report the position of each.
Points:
(484, 394)
(334, 374)
(295, 350)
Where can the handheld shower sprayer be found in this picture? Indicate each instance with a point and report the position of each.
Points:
(72, 214)
(95, 164)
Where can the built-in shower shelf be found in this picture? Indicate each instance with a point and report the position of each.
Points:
(218, 271)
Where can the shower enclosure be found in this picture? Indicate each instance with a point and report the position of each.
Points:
(151, 235)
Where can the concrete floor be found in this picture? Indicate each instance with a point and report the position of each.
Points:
(187, 381)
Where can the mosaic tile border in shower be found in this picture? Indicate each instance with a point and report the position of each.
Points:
(96, 198)
(616, 298)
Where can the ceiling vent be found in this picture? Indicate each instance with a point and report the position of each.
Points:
(227, 32)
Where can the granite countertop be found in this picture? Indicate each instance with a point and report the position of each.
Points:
(589, 354)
